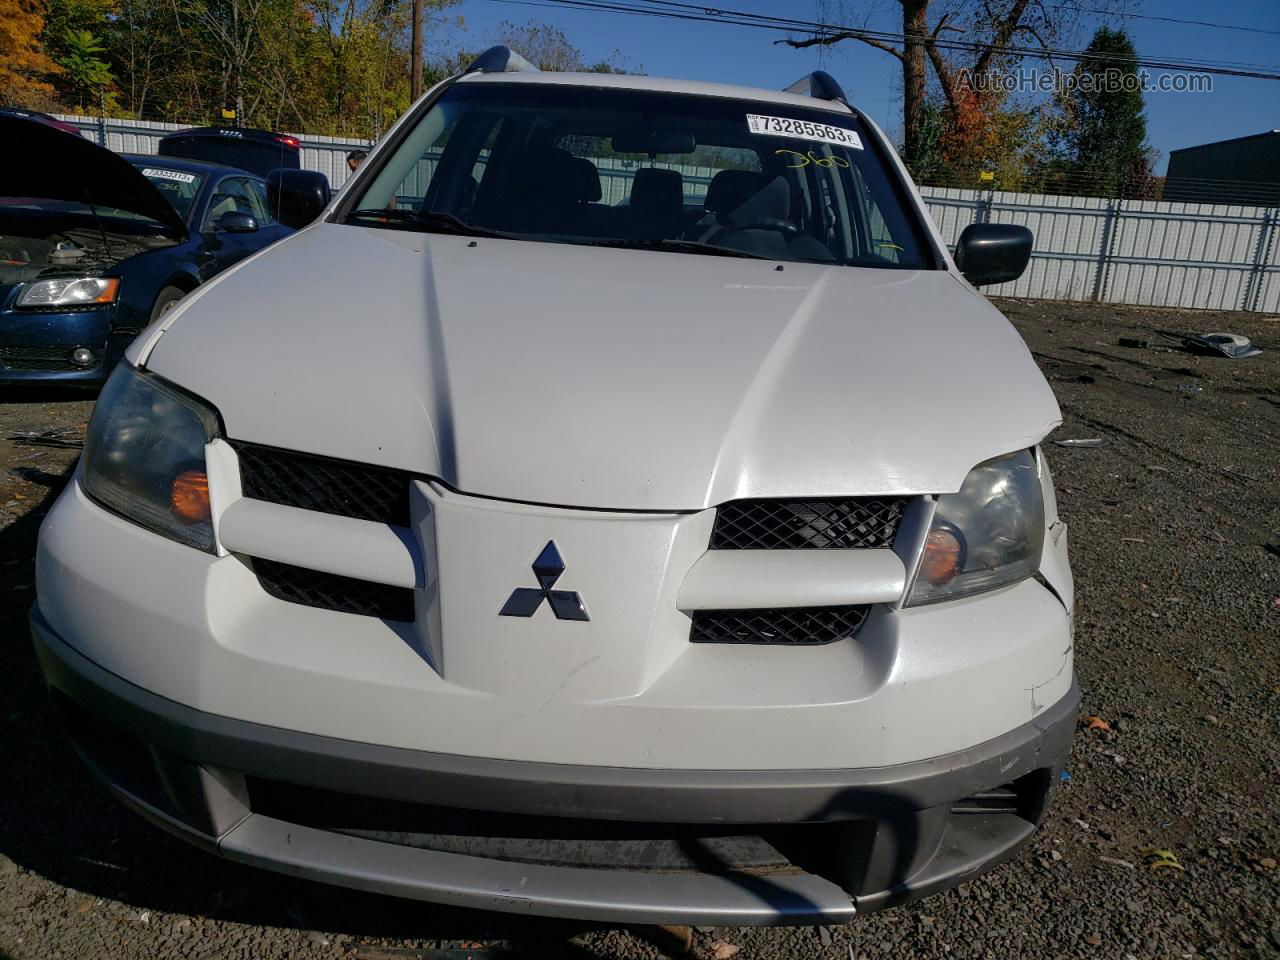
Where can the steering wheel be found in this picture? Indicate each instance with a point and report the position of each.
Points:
(785, 227)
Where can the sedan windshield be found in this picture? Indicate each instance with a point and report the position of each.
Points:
(654, 170)
(179, 187)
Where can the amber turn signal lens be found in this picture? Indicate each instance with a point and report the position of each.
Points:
(941, 561)
(191, 497)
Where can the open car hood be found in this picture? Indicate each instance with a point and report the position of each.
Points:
(47, 163)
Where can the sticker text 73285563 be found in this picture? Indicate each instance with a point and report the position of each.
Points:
(803, 129)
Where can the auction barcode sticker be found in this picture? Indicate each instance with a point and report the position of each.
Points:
(804, 129)
(169, 175)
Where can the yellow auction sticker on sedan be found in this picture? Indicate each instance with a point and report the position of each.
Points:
(804, 129)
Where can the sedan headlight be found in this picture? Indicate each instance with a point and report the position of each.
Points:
(144, 456)
(988, 535)
(73, 292)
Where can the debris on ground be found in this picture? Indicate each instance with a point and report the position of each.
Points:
(1115, 862)
(1158, 859)
(723, 950)
(1230, 345)
(1081, 442)
(62, 439)
(1092, 722)
(1134, 342)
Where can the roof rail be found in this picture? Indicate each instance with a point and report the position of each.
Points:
(818, 84)
(500, 60)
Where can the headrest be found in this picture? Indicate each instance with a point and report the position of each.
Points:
(730, 188)
(656, 189)
(585, 179)
(773, 201)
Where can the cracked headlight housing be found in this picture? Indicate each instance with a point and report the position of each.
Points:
(988, 535)
(144, 456)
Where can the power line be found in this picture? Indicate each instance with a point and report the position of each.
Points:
(1150, 16)
(673, 10)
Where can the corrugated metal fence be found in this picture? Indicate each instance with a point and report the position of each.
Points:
(1157, 253)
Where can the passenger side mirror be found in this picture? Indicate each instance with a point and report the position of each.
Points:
(233, 222)
(990, 253)
(297, 196)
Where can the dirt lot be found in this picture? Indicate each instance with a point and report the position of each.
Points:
(1177, 649)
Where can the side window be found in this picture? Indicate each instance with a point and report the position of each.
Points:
(258, 196)
(231, 195)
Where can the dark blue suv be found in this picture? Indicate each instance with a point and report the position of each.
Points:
(94, 246)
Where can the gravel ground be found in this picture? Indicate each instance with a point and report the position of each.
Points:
(1176, 642)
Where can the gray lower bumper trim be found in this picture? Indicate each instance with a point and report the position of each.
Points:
(616, 896)
(551, 789)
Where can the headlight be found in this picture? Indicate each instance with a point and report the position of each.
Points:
(988, 535)
(144, 456)
(75, 292)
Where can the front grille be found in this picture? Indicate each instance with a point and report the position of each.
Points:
(318, 483)
(38, 358)
(328, 591)
(794, 626)
(843, 523)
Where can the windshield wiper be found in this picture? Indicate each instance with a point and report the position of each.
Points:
(679, 246)
(425, 221)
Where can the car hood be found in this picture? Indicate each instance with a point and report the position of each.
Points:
(624, 379)
(48, 163)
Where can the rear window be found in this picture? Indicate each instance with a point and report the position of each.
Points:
(224, 147)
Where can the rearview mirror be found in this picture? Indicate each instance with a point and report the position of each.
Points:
(990, 253)
(233, 222)
(297, 196)
(653, 142)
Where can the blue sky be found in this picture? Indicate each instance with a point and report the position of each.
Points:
(702, 51)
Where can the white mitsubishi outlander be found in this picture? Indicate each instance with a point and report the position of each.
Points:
(617, 504)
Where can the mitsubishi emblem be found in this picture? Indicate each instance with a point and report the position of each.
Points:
(525, 601)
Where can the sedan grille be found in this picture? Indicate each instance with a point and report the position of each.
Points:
(38, 358)
(794, 626)
(844, 523)
(328, 486)
(328, 591)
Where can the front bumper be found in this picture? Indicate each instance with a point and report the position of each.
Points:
(722, 847)
(35, 346)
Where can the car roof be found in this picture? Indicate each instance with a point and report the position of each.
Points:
(187, 166)
(623, 81)
(241, 133)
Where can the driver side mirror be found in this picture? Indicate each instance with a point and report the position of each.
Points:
(990, 253)
(233, 222)
(297, 197)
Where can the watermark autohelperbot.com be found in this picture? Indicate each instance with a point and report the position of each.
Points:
(1026, 79)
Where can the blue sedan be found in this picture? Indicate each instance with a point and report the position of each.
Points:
(94, 246)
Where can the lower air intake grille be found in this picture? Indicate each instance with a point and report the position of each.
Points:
(318, 483)
(38, 358)
(328, 591)
(864, 523)
(794, 626)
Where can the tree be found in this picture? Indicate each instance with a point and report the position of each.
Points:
(548, 48)
(22, 61)
(1102, 131)
(991, 25)
(85, 71)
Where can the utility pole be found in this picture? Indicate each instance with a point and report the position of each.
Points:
(415, 71)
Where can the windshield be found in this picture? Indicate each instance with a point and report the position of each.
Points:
(615, 167)
(178, 186)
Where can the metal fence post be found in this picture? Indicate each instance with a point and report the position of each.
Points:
(1109, 229)
(1261, 257)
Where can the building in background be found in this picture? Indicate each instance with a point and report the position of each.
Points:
(1243, 170)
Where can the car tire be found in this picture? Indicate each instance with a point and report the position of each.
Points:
(166, 301)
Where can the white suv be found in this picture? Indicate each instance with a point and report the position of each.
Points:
(617, 505)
